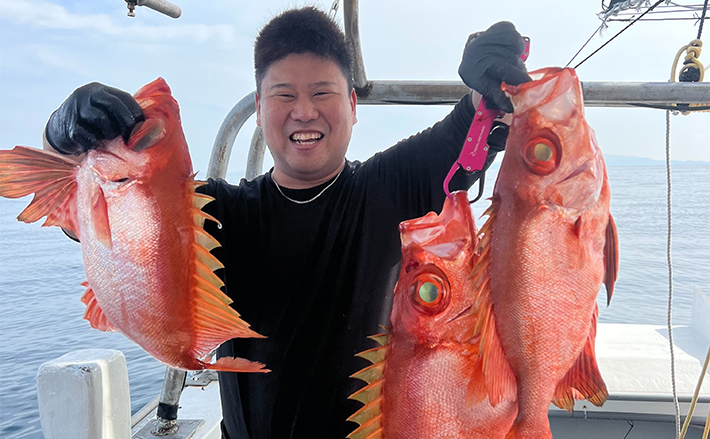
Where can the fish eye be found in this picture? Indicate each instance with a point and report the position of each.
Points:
(543, 152)
(430, 291)
(542, 155)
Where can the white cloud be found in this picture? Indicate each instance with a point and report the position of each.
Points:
(52, 16)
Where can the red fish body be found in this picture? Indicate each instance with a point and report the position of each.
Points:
(146, 256)
(547, 247)
(419, 381)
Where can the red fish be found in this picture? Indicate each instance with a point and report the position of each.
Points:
(548, 245)
(146, 256)
(418, 383)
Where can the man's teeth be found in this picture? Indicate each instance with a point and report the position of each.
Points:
(306, 137)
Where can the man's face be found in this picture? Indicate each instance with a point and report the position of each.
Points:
(307, 113)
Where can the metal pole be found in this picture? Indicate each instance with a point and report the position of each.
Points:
(162, 6)
(352, 35)
(173, 384)
(222, 148)
(255, 159)
(596, 94)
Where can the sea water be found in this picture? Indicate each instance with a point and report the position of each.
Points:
(41, 269)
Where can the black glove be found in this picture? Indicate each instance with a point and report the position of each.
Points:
(492, 57)
(92, 113)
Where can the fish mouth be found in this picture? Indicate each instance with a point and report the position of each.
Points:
(582, 187)
(467, 312)
(584, 167)
(306, 138)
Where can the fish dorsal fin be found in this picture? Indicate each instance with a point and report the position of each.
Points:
(51, 177)
(94, 314)
(583, 380)
(369, 417)
(611, 258)
(493, 377)
(215, 321)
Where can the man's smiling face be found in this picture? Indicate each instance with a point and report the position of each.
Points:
(307, 113)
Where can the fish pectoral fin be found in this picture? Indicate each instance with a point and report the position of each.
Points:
(611, 258)
(583, 380)
(99, 217)
(94, 314)
(492, 376)
(51, 177)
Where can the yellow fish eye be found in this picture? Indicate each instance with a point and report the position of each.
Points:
(543, 152)
(428, 292)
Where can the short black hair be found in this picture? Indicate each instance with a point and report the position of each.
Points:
(304, 30)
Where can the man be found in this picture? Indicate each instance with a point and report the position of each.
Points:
(311, 248)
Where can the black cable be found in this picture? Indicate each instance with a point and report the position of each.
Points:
(622, 30)
(702, 19)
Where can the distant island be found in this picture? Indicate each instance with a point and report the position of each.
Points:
(623, 160)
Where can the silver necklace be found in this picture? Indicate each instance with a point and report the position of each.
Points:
(312, 199)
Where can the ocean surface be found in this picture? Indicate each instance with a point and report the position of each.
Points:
(40, 273)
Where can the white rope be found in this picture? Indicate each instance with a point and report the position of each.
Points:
(670, 274)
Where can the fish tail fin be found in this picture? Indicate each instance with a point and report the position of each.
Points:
(583, 380)
(50, 176)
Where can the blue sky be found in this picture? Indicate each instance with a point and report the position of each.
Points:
(48, 48)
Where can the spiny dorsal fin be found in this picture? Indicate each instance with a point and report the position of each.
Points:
(215, 321)
(371, 429)
(369, 417)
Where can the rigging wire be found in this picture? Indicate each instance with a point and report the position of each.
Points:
(619, 33)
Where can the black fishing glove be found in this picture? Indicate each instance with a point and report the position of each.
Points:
(92, 113)
(492, 57)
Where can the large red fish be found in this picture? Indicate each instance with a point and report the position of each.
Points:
(547, 247)
(418, 383)
(146, 256)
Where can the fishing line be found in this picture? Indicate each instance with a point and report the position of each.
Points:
(585, 44)
(622, 30)
(670, 274)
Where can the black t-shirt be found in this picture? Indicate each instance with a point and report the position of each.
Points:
(318, 278)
